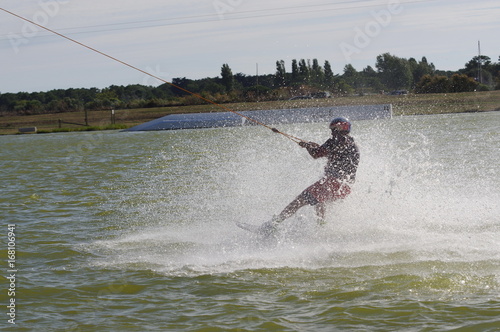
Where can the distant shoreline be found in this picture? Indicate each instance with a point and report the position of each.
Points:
(411, 104)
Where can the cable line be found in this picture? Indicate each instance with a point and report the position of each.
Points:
(230, 16)
(292, 138)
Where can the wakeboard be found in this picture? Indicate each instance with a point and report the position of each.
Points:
(249, 227)
(257, 229)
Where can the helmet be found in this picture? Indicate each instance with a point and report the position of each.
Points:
(341, 124)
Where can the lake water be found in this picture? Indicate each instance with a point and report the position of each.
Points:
(135, 231)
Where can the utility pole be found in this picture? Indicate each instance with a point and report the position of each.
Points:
(257, 79)
(257, 73)
(479, 63)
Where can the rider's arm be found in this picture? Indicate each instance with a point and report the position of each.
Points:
(314, 149)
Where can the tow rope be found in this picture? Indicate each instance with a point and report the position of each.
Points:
(292, 138)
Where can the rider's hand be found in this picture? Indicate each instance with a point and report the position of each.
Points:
(308, 144)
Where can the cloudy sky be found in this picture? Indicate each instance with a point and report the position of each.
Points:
(193, 38)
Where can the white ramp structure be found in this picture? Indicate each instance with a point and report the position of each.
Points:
(268, 117)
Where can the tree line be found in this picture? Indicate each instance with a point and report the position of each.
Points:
(306, 78)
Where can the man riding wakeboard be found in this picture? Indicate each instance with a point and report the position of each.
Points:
(340, 171)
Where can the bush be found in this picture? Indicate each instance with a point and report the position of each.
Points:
(482, 87)
(443, 84)
(462, 83)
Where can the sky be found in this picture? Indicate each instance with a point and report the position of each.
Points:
(194, 38)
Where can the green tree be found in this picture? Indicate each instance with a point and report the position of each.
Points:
(295, 72)
(245, 81)
(65, 105)
(213, 88)
(422, 68)
(462, 83)
(329, 77)
(433, 84)
(482, 69)
(181, 82)
(304, 73)
(370, 80)
(106, 99)
(341, 87)
(473, 64)
(7, 102)
(351, 77)
(280, 77)
(227, 77)
(395, 72)
(317, 73)
(29, 107)
(497, 74)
